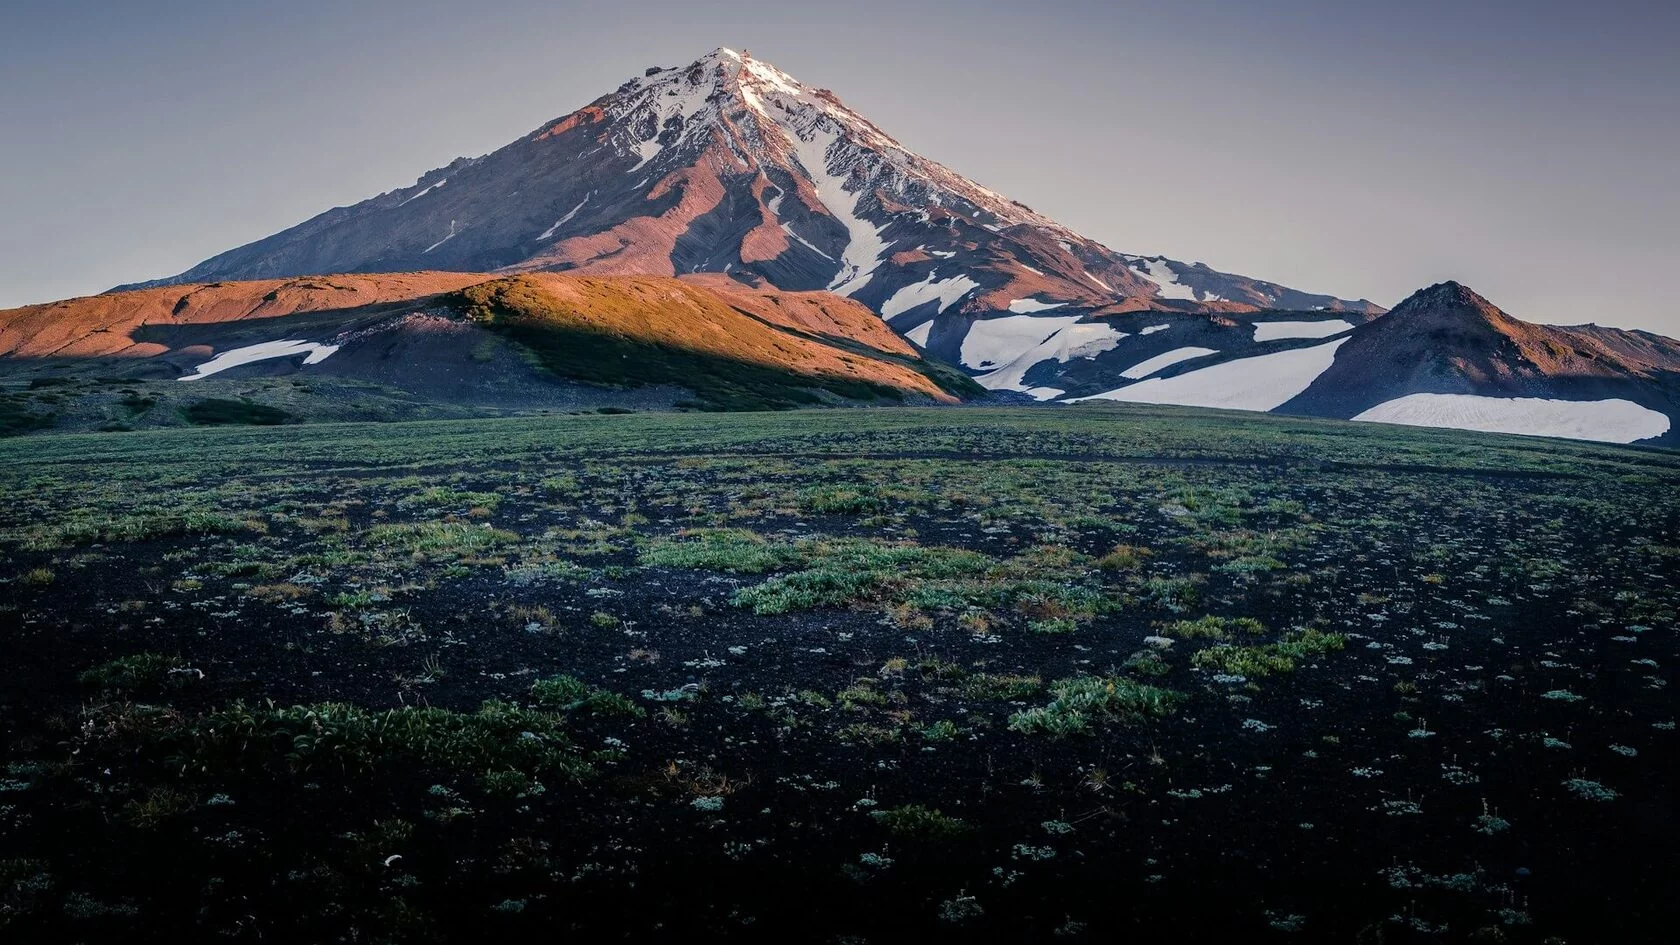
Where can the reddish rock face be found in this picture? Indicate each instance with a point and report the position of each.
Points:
(730, 165)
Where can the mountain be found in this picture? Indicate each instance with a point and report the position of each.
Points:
(429, 344)
(1445, 357)
(765, 195)
(1448, 357)
(730, 165)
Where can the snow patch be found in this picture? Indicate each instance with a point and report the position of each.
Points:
(563, 220)
(1152, 329)
(920, 333)
(1265, 382)
(1274, 331)
(261, 352)
(864, 250)
(1024, 306)
(947, 291)
(673, 97)
(442, 241)
(1143, 369)
(423, 193)
(1608, 421)
(1099, 282)
(991, 342)
(1160, 272)
(1070, 340)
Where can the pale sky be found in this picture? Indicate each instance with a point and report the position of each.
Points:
(1527, 148)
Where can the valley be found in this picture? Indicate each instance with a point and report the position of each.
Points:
(987, 674)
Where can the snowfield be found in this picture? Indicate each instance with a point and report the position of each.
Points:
(1265, 382)
(946, 291)
(1606, 421)
(992, 342)
(1143, 369)
(262, 352)
(862, 255)
(1027, 306)
(1276, 331)
(1073, 341)
(1160, 272)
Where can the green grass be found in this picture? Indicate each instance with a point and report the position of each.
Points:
(1213, 628)
(845, 571)
(1082, 702)
(142, 526)
(570, 694)
(737, 550)
(242, 740)
(444, 497)
(139, 672)
(841, 500)
(1268, 658)
(836, 572)
(222, 412)
(1002, 687)
(919, 822)
(440, 538)
(16, 418)
(965, 530)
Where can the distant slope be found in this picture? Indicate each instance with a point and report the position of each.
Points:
(113, 324)
(1447, 339)
(390, 346)
(1452, 352)
(1444, 357)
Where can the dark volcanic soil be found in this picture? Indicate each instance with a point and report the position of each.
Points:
(1484, 753)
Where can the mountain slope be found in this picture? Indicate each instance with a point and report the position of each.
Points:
(633, 330)
(730, 165)
(1445, 353)
(1444, 357)
(437, 344)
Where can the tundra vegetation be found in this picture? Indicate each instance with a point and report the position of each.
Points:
(979, 674)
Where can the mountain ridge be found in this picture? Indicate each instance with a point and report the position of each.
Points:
(445, 344)
(692, 169)
(730, 170)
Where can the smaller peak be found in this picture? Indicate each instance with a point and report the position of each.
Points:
(1450, 297)
(1450, 291)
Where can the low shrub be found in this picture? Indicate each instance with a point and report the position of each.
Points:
(570, 694)
(221, 412)
(1081, 701)
(135, 673)
(916, 821)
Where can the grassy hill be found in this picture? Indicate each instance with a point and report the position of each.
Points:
(414, 346)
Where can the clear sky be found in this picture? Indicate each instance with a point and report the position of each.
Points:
(1528, 148)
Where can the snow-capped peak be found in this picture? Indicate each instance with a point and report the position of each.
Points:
(729, 164)
(769, 114)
